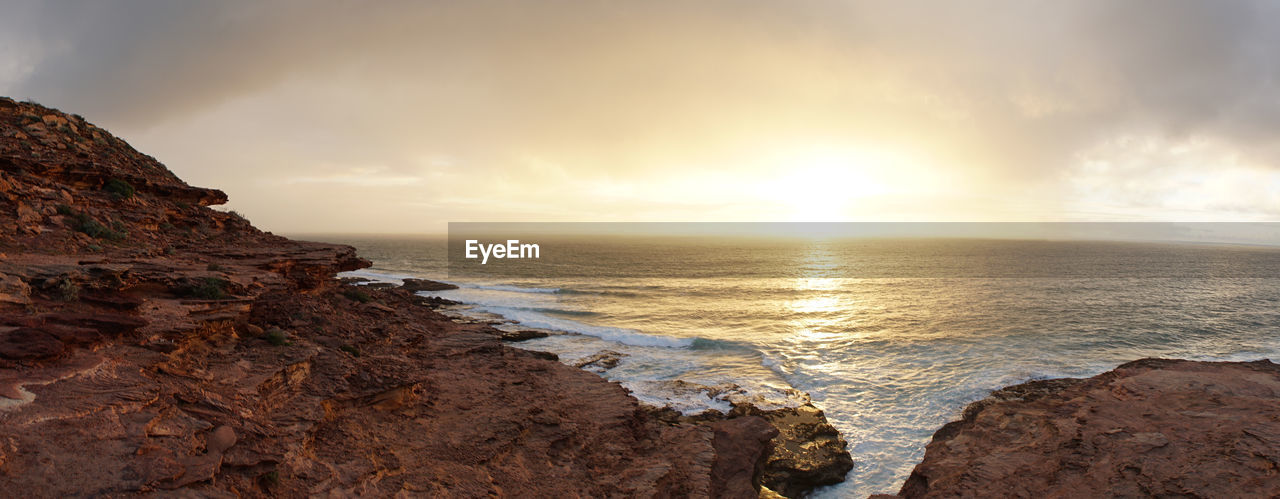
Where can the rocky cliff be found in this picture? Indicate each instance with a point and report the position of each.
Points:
(1149, 428)
(150, 343)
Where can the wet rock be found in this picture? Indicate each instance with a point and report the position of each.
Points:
(433, 301)
(416, 285)
(523, 335)
(807, 452)
(599, 362)
(544, 355)
(1151, 427)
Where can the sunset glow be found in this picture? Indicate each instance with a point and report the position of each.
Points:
(370, 119)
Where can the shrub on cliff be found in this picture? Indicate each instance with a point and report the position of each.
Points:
(67, 290)
(277, 337)
(208, 288)
(86, 224)
(119, 189)
(357, 295)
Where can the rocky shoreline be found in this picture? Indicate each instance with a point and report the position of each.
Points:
(1148, 428)
(149, 343)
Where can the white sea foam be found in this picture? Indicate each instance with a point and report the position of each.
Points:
(665, 394)
(651, 364)
(614, 334)
(376, 276)
(513, 289)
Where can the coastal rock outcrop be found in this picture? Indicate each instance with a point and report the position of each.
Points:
(522, 335)
(416, 285)
(806, 453)
(152, 344)
(1150, 428)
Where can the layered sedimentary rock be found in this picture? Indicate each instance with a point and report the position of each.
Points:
(1150, 428)
(151, 343)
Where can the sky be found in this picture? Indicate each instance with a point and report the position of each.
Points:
(398, 117)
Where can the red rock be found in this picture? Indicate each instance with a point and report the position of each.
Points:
(741, 445)
(28, 343)
(1151, 427)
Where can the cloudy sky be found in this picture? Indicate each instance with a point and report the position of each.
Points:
(398, 117)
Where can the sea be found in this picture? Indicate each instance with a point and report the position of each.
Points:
(890, 337)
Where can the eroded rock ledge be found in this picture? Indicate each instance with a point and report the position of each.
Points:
(149, 343)
(1152, 427)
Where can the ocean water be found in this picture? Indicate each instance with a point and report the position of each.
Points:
(892, 338)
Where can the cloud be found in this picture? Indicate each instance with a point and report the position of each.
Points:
(1004, 99)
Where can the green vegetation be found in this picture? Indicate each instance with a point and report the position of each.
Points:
(119, 189)
(271, 479)
(214, 267)
(357, 295)
(355, 352)
(86, 224)
(65, 210)
(208, 288)
(67, 290)
(277, 337)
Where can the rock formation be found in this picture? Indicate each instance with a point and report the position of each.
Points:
(415, 285)
(149, 343)
(1149, 428)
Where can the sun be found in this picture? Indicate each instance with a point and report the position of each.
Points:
(826, 185)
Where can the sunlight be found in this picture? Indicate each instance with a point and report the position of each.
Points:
(820, 310)
(825, 184)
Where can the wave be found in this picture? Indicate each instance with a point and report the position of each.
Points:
(512, 289)
(632, 337)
